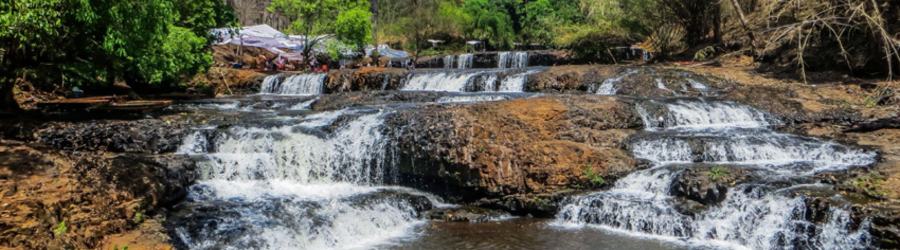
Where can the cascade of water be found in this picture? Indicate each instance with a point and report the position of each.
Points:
(472, 98)
(280, 188)
(516, 82)
(503, 60)
(466, 61)
(704, 114)
(440, 81)
(608, 87)
(449, 60)
(752, 215)
(300, 84)
(512, 60)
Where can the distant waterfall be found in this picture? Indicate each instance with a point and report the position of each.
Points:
(512, 60)
(463, 61)
(467, 81)
(299, 84)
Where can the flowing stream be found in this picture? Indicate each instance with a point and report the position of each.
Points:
(287, 177)
(299, 84)
(690, 132)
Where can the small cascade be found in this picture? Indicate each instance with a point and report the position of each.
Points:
(609, 87)
(512, 60)
(753, 215)
(299, 84)
(463, 61)
(467, 81)
(473, 98)
(284, 187)
(700, 113)
(516, 82)
(451, 81)
(466, 61)
(449, 61)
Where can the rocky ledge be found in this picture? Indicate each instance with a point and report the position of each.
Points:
(514, 154)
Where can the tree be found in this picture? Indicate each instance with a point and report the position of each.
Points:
(354, 26)
(415, 21)
(489, 22)
(314, 19)
(97, 42)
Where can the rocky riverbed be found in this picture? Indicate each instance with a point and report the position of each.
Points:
(117, 182)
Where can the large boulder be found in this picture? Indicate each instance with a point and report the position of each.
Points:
(516, 147)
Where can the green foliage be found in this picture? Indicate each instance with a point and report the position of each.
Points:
(183, 54)
(60, 229)
(717, 173)
(489, 22)
(354, 26)
(97, 42)
(123, 248)
(347, 19)
(705, 53)
(595, 179)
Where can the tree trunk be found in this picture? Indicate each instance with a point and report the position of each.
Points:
(740, 11)
(8, 103)
(717, 23)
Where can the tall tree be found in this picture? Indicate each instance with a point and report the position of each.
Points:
(314, 19)
(489, 22)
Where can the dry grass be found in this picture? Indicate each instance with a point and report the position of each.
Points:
(808, 23)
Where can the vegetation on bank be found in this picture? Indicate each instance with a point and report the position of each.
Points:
(95, 43)
(59, 44)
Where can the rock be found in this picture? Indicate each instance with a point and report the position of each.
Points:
(697, 183)
(95, 194)
(466, 214)
(138, 136)
(526, 146)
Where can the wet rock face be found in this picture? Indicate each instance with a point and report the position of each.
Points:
(95, 195)
(706, 185)
(792, 108)
(353, 99)
(139, 136)
(365, 79)
(634, 81)
(524, 146)
(466, 214)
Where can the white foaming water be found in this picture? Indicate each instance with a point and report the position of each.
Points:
(707, 114)
(608, 87)
(280, 188)
(473, 98)
(439, 81)
(300, 84)
(512, 60)
(304, 105)
(465, 61)
(516, 82)
(449, 61)
(752, 216)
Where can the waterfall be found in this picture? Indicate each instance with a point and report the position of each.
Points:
(463, 61)
(609, 87)
(440, 81)
(512, 60)
(466, 61)
(754, 216)
(684, 113)
(299, 84)
(516, 82)
(472, 98)
(449, 61)
(283, 187)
